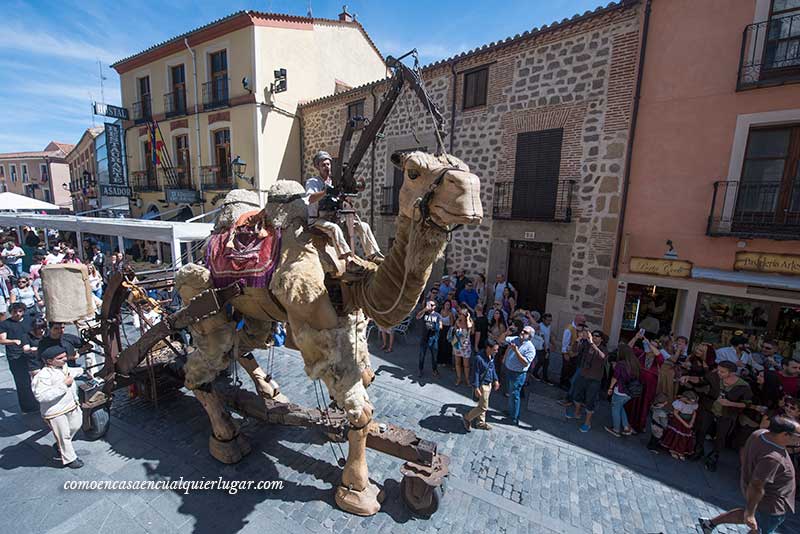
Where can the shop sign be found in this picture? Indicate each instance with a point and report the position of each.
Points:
(764, 262)
(116, 170)
(108, 110)
(660, 267)
(115, 190)
(182, 196)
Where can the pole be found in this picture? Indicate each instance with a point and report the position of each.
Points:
(121, 243)
(196, 125)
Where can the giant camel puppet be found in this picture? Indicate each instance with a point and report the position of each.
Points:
(438, 192)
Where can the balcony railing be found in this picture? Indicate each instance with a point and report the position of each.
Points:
(213, 179)
(532, 202)
(770, 53)
(390, 200)
(215, 94)
(142, 110)
(175, 103)
(144, 181)
(764, 209)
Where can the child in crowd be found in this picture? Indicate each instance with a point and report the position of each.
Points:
(659, 418)
(679, 436)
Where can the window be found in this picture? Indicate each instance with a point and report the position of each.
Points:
(2, 171)
(355, 109)
(769, 189)
(782, 48)
(25, 177)
(390, 201)
(13, 169)
(176, 102)
(149, 167)
(182, 162)
(536, 173)
(222, 155)
(43, 172)
(142, 109)
(475, 85)
(46, 193)
(219, 76)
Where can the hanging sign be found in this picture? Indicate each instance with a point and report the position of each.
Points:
(116, 171)
(661, 267)
(765, 262)
(111, 111)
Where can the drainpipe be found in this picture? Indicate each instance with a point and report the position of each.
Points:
(629, 152)
(197, 126)
(372, 167)
(453, 106)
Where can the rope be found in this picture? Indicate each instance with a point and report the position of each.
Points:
(436, 130)
(317, 394)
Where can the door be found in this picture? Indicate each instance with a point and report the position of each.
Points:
(219, 77)
(222, 153)
(529, 273)
(178, 89)
(184, 167)
(536, 173)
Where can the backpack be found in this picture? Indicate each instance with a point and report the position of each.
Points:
(634, 388)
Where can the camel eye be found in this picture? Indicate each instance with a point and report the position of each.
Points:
(413, 174)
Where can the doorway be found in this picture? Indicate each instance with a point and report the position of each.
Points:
(529, 273)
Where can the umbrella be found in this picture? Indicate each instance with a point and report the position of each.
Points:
(13, 201)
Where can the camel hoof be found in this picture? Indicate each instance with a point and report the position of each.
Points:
(280, 397)
(367, 376)
(229, 452)
(365, 502)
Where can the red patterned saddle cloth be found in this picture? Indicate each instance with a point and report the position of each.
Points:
(248, 252)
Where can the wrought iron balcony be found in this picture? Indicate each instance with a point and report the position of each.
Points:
(175, 103)
(215, 179)
(145, 181)
(533, 202)
(215, 94)
(765, 209)
(770, 53)
(142, 110)
(390, 200)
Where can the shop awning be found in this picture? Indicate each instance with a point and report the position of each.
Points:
(776, 281)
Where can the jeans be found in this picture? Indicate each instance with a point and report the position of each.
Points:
(618, 415)
(424, 348)
(16, 268)
(515, 382)
(542, 363)
(768, 523)
(98, 292)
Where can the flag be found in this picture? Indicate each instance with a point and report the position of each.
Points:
(157, 144)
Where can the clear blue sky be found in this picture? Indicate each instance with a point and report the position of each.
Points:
(49, 49)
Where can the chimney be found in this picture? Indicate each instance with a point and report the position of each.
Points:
(344, 16)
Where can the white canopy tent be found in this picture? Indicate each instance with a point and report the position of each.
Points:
(173, 233)
(14, 202)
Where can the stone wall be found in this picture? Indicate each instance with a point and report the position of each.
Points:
(579, 77)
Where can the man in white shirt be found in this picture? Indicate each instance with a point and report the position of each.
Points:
(519, 356)
(317, 188)
(12, 255)
(499, 285)
(54, 257)
(735, 353)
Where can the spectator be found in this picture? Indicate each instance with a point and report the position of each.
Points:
(69, 342)
(570, 336)
(498, 305)
(789, 376)
(767, 480)
(650, 361)
(95, 280)
(12, 255)
(499, 285)
(668, 374)
(587, 383)
(679, 437)
(444, 354)
(6, 274)
(517, 361)
(497, 326)
(30, 345)
(681, 348)
(726, 396)
(460, 335)
(98, 259)
(54, 387)
(481, 328)
(27, 295)
(444, 289)
(659, 419)
(484, 378)
(70, 257)
(387, 338)
(543, 358)
(433, 295)
(480, 286)
(622, 388)
(460, 282)
(55, 256)
(768, 358)
(469, 296)
(429, 342)
(735, 352)
(13, 332)
(508, 302)
(151, 251)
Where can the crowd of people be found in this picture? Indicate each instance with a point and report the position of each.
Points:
(683, 397)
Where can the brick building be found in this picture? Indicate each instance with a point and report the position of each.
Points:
(543, 118)
(42, 174)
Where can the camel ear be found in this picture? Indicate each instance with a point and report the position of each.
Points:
(398, 159)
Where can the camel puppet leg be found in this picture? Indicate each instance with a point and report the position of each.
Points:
(213, 338)
(255, 335)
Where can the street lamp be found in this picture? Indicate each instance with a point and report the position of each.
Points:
(239, 166)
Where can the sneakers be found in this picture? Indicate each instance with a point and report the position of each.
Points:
(483, 426)
(585, 428)
(628, 432)
(570, 414)
(466, 422)
(706, 526)
(613, 432)
(77, 463)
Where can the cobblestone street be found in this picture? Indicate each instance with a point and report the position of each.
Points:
(540, 478)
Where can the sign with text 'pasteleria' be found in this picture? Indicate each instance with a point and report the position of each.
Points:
(108, 110)
(115, 190)
(116, 170)
(765, 262)
(660, 267)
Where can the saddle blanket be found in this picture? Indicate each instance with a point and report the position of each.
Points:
(247, 252)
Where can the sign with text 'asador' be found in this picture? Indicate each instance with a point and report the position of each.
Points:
(661, 267)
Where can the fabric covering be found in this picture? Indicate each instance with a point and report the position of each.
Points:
(67, 292)
(247, 252)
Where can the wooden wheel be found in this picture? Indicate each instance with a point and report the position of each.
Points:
(100, 420)
(421, 499)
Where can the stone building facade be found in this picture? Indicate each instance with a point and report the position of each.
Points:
(571, 82)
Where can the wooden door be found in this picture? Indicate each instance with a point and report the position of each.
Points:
(529, 273)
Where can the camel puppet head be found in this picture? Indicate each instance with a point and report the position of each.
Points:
(455, 195)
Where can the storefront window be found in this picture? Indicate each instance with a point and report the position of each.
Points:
(718, 317)
(648, 307)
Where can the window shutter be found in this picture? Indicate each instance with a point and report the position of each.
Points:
(536, 171)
